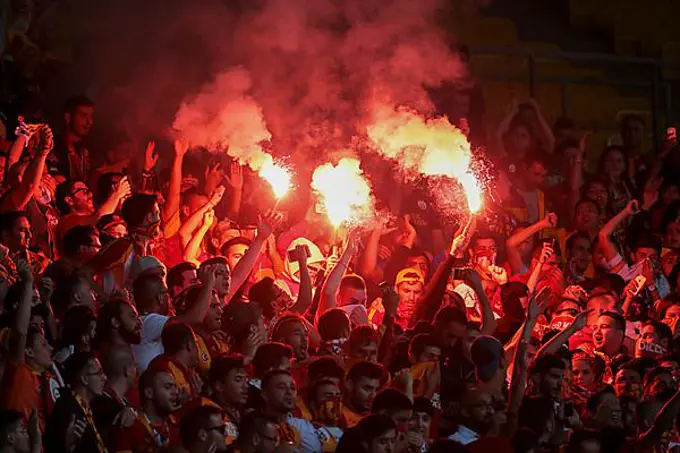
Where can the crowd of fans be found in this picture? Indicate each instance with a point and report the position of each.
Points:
(150, 306)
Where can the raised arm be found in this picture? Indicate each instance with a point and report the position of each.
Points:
(304, 300)
(19, 332)
(195, 314)
(604, 235)
(149, 179)
(192, 222)
(20, 197)
(234, 178)
(329, 291)
(120, 192)
(278, 263)
(546, 254)
(504, 125)
(663, 422)
(555, 343)
(548, 139)
(242, 270)
(368, 261)
(514, 241)
(171, 208)
(488, 319)
(192, 250)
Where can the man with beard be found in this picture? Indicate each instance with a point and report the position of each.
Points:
(16, 234)
(229, 389)
(654, 340)
(180, 359)
(71, 158)
(476, 413)
(181, 277)
(361, 385)
(151, 297)
(258, 434)
(292, 330)
(71, 427)
(325, 402)
(211, 340)
(547, 374)
(118, 324)
(279, 395)
(150, 430)
(201, 430)
(112, 407)
(579, 254)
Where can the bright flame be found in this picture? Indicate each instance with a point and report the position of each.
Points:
(428, 147)
(278, 177)
(345, 192)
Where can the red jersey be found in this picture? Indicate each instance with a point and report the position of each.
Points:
(142, 436)
(184, 379)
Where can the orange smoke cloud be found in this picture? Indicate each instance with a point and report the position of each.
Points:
(344, 191)
(432, 147)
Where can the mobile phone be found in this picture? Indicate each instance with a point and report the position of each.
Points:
(671, 133)
(458, 273)
(293, 254)
(640, 281)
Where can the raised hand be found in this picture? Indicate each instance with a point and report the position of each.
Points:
(47, 139)
(632, 208)
(546, 253)
(267, 224)
(181, 146)
(209, 218)
(206, 274)
(74, 432)
(234, 176)
(213, 177)
(550, 220)
(217, 196)
(150, 156)
(123, 189)
(463, 236)
(24, 270)
(498, 274)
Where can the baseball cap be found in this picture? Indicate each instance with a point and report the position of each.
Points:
(409, 275)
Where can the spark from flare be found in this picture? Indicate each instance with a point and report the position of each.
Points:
(278, 177)
(344, 191)
(432, 147)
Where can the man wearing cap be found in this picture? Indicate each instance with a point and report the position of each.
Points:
(489, 358)
(409, 285)
(111, 227)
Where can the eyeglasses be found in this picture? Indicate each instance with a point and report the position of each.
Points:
(81, 189)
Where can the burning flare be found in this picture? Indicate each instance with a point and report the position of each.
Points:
(278, 177)
(429, 147)
(344, 191)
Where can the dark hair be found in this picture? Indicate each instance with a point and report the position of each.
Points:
(548, 362)
(620, 320)
(136, 208)
(324, 367)
(72, 103)
(646, 240)
(524, 440)
(375, 425)
(111, 310)
(571, 240)
(421, 341)
(654, 373)
(239, 240)
(368, 370)
(511, 293)
(174, 277)
(314, 388)
(140, 290)
(332, 323)
(8, 220)
(352, 281)
(263, 293)
(237, 318)
(146, 380)
(64, 190)
(215, 260)
(422, 404)
(361, 335)
(76, 325)
(390, 401)
(449, 314)
(224, 364)
(580, 435)
(269, 356)
(662, 330)
(78, 236)
(195, 420)
(603, 157)
(114, 359)
(175, 336)
(64, 291)
(586, 200)
(74, 366)
(285, 320)
(267, 378)
(250, 422)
